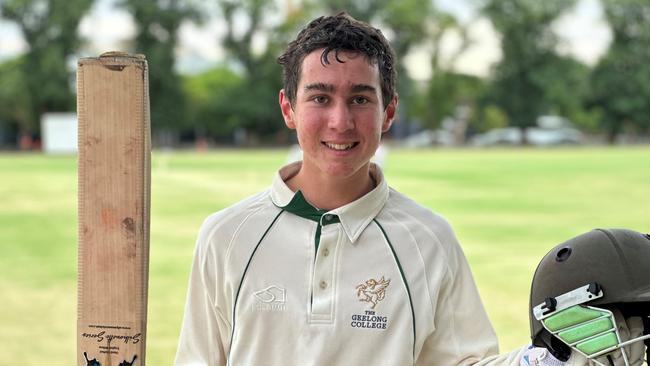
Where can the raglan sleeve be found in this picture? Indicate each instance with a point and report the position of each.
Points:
(202, 332)
(462, 332)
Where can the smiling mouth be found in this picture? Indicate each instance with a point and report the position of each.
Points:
(340, 147)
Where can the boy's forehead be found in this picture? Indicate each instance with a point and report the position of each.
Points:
(352, 64)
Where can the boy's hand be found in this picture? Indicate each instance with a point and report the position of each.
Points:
(538, 356)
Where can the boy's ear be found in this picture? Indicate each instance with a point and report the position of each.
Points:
(287, 110)
(389, 114)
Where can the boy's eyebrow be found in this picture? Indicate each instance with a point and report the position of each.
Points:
(320, 87)
(357, 88)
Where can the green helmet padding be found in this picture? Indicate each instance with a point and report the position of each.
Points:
(598, 344)
(570, 317)
(587, 330)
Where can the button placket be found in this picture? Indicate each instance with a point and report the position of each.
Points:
(324, 275)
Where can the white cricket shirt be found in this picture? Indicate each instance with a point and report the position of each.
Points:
(379, 281)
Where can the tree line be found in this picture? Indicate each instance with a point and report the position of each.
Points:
(236, 101)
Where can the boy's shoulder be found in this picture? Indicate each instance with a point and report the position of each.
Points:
(400, 204)
(421, 223)
(226, 222)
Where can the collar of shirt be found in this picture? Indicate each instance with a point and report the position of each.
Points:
(354, 216)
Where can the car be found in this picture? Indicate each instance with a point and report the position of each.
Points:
(554, 136)
(498, 136)
(550, 130)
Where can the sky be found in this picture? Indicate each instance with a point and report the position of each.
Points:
(583, 32)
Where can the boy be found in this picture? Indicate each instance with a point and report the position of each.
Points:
(330, 266)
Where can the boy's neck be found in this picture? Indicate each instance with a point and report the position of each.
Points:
(328, 193)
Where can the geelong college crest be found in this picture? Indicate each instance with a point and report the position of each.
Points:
(372, 291)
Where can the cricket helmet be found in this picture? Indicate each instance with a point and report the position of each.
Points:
(601, 269)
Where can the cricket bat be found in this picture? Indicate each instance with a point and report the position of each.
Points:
(113, 203)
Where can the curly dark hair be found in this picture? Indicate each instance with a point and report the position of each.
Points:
(339, 32)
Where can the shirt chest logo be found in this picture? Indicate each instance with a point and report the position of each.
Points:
(372, 291)
(272, 298)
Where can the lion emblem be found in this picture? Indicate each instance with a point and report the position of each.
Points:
(372, 291)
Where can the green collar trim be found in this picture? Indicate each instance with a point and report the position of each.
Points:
(300, 207)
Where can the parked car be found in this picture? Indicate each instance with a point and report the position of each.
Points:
(550, 130)
(498, 136)
(555, 136)
(428, 138)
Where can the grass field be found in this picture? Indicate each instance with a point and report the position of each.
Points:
(509, 207)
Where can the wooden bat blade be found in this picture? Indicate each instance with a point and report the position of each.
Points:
(113, 203)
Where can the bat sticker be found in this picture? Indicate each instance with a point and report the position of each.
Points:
(92, 362)
(126, 363)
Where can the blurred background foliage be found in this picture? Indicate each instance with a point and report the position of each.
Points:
(235, 101)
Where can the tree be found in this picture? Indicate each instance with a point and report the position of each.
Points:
(565, 85)
(157, 24)
(239, 42)
(15, 106)
(447, 89)
(408, 21)
(210, 100)
(255, 100)
(528, 45)
(621, 80)
(49, 27)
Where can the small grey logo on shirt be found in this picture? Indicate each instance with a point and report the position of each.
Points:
(272, 298)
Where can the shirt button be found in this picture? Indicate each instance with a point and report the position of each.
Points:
(326, 252)
(323, 285)
(328, 217)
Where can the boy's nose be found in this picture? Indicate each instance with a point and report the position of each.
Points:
(340, 118)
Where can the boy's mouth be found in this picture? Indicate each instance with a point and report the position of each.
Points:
(340, 147)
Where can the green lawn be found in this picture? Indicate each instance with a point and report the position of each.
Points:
(509, 207)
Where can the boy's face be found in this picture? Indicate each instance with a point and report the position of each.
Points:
(338, 114)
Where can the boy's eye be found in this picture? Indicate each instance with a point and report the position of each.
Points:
(359, 100)
(320, 99)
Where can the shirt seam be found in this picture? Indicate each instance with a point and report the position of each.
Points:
(211, 249)
(404, 280)
(437, 242)
(241, 281)
(417, 247)
(238, 230)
